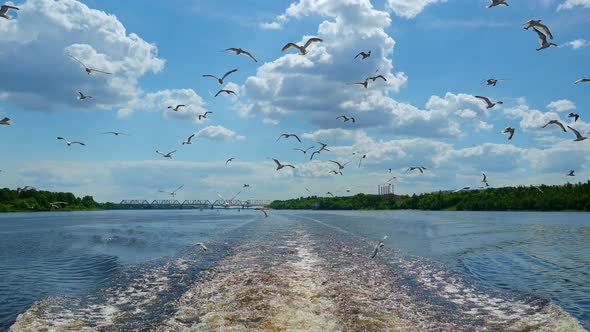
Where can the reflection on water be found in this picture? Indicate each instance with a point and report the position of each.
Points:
(301, 271)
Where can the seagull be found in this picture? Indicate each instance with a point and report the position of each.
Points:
(374, 78)
(365, 83)
(340, 166)
(171, 193)
(420, 168)
(204, 116)
(314, 153)
(220, 80)
(6, 122)
(361, 160)
(82, 96)
(323, 148)
(345, 118)
(166, 155)
(263, 211)
(281, 166)
(489, 102)
(175, 109)
(485, 178)
(378, 246)
(188, 141)
(555, 122)
(201, 246)
(302, 49)
(246, 186)
(393, 178)
(239, 51)
(116, 133)
(55, 205)
(508, 130)
(497, 3)
(575, 116)
(571, 173)
(287, 136)
(336, 172)
(363, 55)
(26, 188)
(579, 137)
(537, 187)
(329, 193)
(582, 80)
(87, 69)
(543, 40)
(70, 143)
(227, 161)
(226, 91)
(494, 81)
(4, 9)
(537, 25)
(462, 189)
(304, 151)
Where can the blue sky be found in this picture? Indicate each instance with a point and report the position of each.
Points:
(435, 55)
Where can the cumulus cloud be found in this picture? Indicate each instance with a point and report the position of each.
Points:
(219, 133)
(569, 4)
(578, 43)
(562, 105)
(270, 121)
(160, 100)
(409, 8)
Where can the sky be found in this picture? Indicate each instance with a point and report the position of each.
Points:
(435, 55)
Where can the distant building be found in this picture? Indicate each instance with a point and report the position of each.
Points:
(385, 189)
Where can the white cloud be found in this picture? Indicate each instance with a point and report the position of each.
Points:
(578, 43)
(531, 119)
(270, 121)
(160, 100)
(219, 133)
(409, 8)
(569, 4)
(562, 105)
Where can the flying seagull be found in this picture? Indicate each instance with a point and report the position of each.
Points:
(302, 49)
(166, 155)
(281, 166)
(116, 133)
(287, 136)
(462, 189)
(340, 166)
(489, 102)
(304, 151)
(82, 96)
(571, 173)
(171, 193)
(582, 80)
(26, 188)
(543, 40)
(314, 153)
(201, 246)
(574, 115)
(70, 143)
(420, 168)
(374, 78)
(508, 130)
(579, 137)
(336, 172)
(494, 81)
(497, 3)
(363, 55)
(220, 80)
(485, 178)
(246, 186)
(227, 161)
(6, 122)
(378, 246)
(4, 9)
(346, 118)
(88, 69)
(188, 141)
(263, 211)
(555, 122)
(537, 25)
(361, 160)
(329, 193)
(323, 148)
(225, 91)
(204, 116)
(239, 51)
(537, 187)
(175, 109)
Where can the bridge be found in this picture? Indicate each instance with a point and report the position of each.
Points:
(138, 204)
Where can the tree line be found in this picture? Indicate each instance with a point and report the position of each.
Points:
(34, 200)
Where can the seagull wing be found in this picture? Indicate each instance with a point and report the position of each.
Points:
(297, 137)
(250, 55)
(380, 76)
(80, 62)
(218, 92)
(233, 49)
(289, 45)
(312, 40)
(212, 76)
(337, 163)
(542, 37)
(543, 29)
(288, 165)
(577, 133)
(358, 55)
(81, 94)
(191, 137)
(313, 154)
(282, 135)
(277, 162)
(485, 99)
(59, 137)
(100, 71)
(227, 161)
(548, 123)
(375, 251)
(228, 73)
(561, 125)
(76, 142)
(177, 189)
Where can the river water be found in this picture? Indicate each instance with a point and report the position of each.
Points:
(295, 271)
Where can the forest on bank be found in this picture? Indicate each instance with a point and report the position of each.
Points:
(26, 199)
(574, 197)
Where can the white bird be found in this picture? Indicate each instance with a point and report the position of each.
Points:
(340, 166)
(485, 178)
(26, 188)
(346, 118)
(304, 151)
(175, 109)
(509, 130)
(576, 116)
(494, 81)
(88, 69)
(225, 91)
(201, 246)
(116, 133)
(302, 49)
(5, 9)
(6, 122)
(83, 96)
(55, 205)
(220, 80)
(287, 136)
(378, 246)
(361, 160)
(489, 102)
(188, 141)
(420, 168)
(582, 80)
(537, 187)
(227, 161)
(166, 155)
(70, 143)
(555, 122)
(374, 78)
(579, 137)
(462, 189)
(543, 40)
(239, 51)
(363, 55)
(537, 25)
(171, 193)
(497, 3)
(281, 166)
(335, 172)
(571, 173)
(204, 116)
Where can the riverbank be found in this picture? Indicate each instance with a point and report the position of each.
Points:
(29, 199)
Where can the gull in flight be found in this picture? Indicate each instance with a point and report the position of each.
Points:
(304, 151)
(489, 102)
(6, 122)
(494, 81)
(582, 80)
(204, 116)
(537, 187)
(420, 168)
(227, 161)
(26, 188)
(378, 246)
(485, 178)
(579, 137)
(246, 186)
(571, 173)
(281, 166)
(374, 78)
(340, 166)
(336, 172)
(361, 160)
(88, 69)
(5, 9)
(116, 133)
(287, 136)
(263, 211)
(56, 205)
(345, 118)
(175, 109)
(188, 141)
(171, 193)
(462, 189)
(497, 3)
(70, 143)
(239, 51)
(225, 91)
(537, 25)
(201, 246)
(314, 153)
(365, 83)
(220, 80)
(543, 40)
(323, 148)
(329, 193)
(555, 122)
(166, 155)
(363, 55)
(508, 130)
(302, 49)
(82, 96)
(574, 115)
